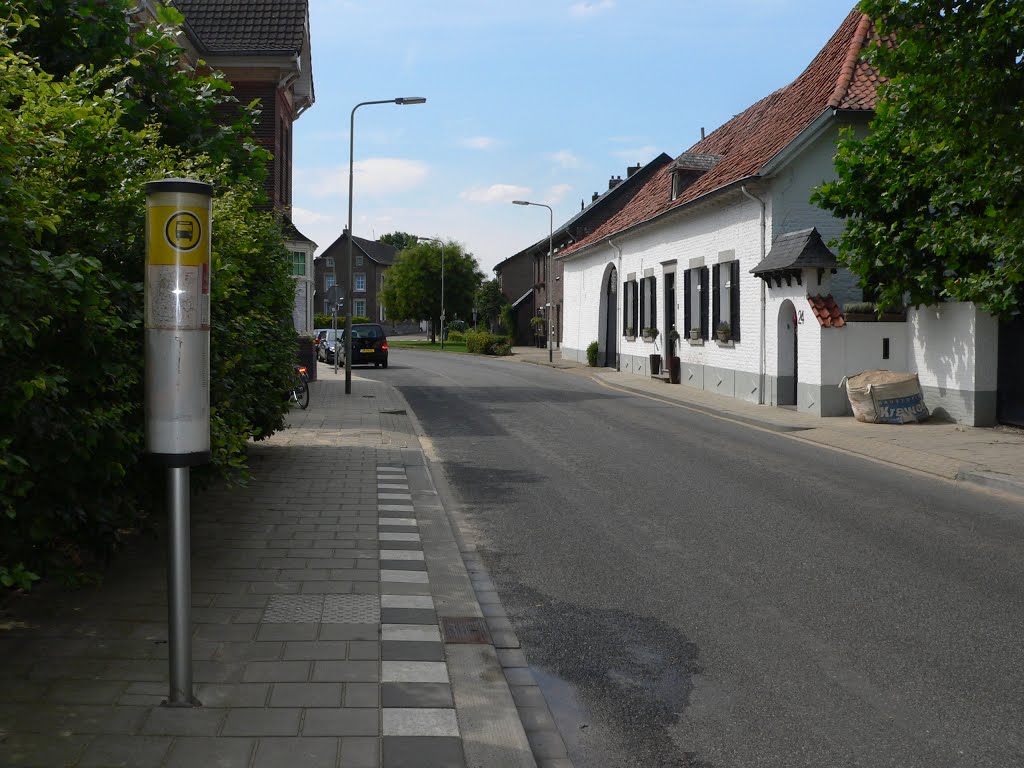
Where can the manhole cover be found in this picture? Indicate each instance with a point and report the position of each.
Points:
(465, 630)
(395, 413)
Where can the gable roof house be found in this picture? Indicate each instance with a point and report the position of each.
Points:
(263, 48)
(523, 276)
(370, 261)
(726, 234)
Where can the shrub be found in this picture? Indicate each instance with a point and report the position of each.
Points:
(592, 350)
(486, 343)
(456, 337)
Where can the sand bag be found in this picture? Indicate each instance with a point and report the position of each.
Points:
(886, 397)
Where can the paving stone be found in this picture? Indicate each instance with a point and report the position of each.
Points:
(262, 650)
(183, 721)
(41, 750)
(408, 616)
(419, 722)
(233, 695)
(306, 695)
(220, 752)
(125, 752)
(276, 721)
(390, 555)
(412, 632)
(276, 671)
(85, 692)
(547, 744)
(301, 752)
(341, 722)
(416, 695)
(403, 565)
(237, 632)
(318, 649)
(349, 631)
(527, 696)
(346, 671)
(537, 719)
(422, 752)
(362, 695)
(304, 631)
(405, 650)
(408, 577)
(414, 672)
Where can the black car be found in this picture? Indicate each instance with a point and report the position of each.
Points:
(369, 345)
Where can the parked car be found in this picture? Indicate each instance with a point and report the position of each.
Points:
(327, 344)
(369, 344)
(318, 336)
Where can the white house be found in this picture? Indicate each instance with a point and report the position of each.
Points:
(727, 234)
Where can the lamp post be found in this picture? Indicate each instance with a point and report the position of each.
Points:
(549, 283)
(348, 248)
(437, 240)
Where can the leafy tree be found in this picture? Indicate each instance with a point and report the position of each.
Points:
(489, 301)
(412, 285)
(400, 240)
(935, 193)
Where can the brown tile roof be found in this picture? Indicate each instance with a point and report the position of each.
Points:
(827, 311)
(222, 27)
(835, 78)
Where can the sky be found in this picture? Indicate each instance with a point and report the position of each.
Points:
(540, 100)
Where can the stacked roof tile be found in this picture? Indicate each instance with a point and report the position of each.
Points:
(836, 78)
(239, 27)
(827, 311)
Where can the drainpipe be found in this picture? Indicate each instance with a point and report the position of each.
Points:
(618, 276)
(764, 299)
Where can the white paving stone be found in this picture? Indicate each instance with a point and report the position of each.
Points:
(395, 496)
(393, 486)
(420, 722)
(413, 633)
(409, 521)
(406, 601)
(396, 536)
(395, 508)
(401, 554)
(413, 672)
(405, 577)
(391, 469)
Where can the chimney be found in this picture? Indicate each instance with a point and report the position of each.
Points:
(630, 170)
(614, 181)
(594, 198)
(702, 133)
(581, 205)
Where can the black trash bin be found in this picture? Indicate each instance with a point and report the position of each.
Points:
(306, 355)
(655, 365)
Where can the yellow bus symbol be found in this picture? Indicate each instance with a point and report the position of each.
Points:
(183, 231)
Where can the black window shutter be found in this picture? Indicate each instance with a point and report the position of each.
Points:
(635, 288)
(643, 307)
(703, 279)
(716, 296)
(654, 302)
(734, 299)
(625, 307)
(686, 303)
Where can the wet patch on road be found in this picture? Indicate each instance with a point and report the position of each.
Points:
(616, 683)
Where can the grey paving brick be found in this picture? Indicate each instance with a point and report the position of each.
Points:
(275, 721)
(306, 695)
(537, 719)
(214, 695)
(408, 616)
(323, 649)
(217, 672)
(519, 676)
(262, 650)
(416, 695)
(342, 722)
(422, 752)
(299, 751)
(220, 752)
(402, 564)
(349, 631)
(276, 671)
(182, 721)
(547, 745)
(230, 632)
(362, 695)
(399, 650)
(67, 669)
(346, 671)
(527, 696)
(85, 692)
(41, 750)
(303, 631)
(512, 657)
(363, 650)
(125, 752)
(359, 752)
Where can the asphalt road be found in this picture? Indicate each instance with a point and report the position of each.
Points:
(693, 592)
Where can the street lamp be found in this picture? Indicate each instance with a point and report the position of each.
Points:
(436, 240)
(549, 283)
(348, 288)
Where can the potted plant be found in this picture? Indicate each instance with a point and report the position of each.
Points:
(630, 332)
(538, 330)
(650, 334)
(724, 332)
(695, 334)
(674, 366)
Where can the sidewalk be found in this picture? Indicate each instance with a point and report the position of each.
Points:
(992, 458)
(336, 623)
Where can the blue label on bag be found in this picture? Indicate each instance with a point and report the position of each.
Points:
(900, 410)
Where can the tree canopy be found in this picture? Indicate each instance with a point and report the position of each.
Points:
(412, 285)
(400, 240)
(934, 195)
(489, 301)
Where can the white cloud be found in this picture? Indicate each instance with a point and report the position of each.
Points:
(564, 158)
(557, 193)
(496, 193)
(583, 9)
(479, 142)
(373, 177)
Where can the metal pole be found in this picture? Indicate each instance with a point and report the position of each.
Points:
(179, 590)
(442, 295)
(551, 285)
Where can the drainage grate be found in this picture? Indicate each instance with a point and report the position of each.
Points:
(465, 630)
(395, 413)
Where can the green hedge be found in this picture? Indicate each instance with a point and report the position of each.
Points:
(486, 343)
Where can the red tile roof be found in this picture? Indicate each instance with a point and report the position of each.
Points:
(836, 78)
(827, 311)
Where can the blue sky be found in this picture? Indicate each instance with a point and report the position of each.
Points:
(542, 100)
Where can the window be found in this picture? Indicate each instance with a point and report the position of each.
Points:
(726, 297)
(648, 303)
(695, 301)
(359, 259)
(360, 305)
(298, 263)
(360, 281)
(329, 281)
(329, 261)
(630, 308)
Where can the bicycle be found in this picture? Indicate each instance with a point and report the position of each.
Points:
(299, 393)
